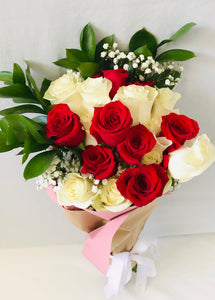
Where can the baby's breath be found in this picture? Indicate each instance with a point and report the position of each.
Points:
(58, 169)
(142, 68)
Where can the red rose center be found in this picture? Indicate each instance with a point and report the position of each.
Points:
(136, 142)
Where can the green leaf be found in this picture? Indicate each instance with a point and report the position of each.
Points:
(39, 164)
(164, 42)
(99, 47)
(16, 90)
(27, 144)
(76, 55)
(143, 38)
(22, 100)
(18, 75)
(176, 55)
(88, 69)
(31, 146)
(33, 83)
(143, 50)
(42, 120)
(34, 147)
(45, 103)
(7, 77)
(21, 109)
(45, 85)
(88, 42)
(17, 127)
(67, 64)
(11, 137)
(3, 143)
(184, 29)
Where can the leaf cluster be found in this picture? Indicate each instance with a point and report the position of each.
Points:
(89, 62)
(144, 42)
(19, 131)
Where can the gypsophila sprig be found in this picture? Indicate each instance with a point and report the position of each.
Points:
(63, 163)
(143, 68)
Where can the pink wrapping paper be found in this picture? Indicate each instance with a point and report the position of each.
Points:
(107, 231)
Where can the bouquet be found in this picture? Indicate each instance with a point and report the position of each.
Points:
(110, 142)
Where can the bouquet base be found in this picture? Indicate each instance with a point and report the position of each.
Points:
(109, 233)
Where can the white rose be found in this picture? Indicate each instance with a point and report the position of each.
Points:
(63, 87)
(110, 198)
(187, 162)
(163, 105)
(155, 156)
(139, 100)
(94, 93)
(76, 191)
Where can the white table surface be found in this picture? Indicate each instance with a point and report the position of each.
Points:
(186, 271)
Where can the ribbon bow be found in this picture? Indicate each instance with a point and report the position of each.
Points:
(120, 270)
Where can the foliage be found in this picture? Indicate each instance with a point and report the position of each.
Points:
(17, 130)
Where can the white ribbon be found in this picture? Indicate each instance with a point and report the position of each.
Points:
(120, 270)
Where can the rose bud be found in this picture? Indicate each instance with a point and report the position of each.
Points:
(64, 126)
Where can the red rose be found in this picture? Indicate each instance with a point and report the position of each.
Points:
(111, 123)
(99, 161)
(143, 83)
(165, 161)
(138, 142)
(142, 185)
(117, 77)
(64, 126)
(178, 129)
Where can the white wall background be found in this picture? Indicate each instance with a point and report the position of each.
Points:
(39, 31)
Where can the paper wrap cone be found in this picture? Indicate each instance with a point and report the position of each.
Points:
(109, 233)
